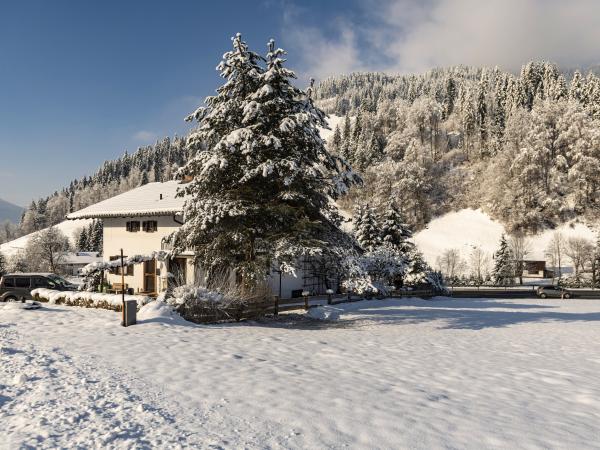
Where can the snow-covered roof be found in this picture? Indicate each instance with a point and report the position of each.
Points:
(80, 258)
(152, 199)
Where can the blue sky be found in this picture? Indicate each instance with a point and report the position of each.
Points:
(83, 81)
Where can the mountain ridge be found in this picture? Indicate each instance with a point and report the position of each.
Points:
(9, 211)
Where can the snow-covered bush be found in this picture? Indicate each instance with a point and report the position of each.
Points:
(190, 294)
(576, 282)
(375, 271)
(87, 299)
(385, 268)
(361, 285)
(225, 300)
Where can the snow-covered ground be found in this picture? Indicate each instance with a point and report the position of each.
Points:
(68, 227)
(468, 228)
(333, 121)
(388, 374)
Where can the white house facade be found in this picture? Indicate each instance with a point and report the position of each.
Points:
(137, 222)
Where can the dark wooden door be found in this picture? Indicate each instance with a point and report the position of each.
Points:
(150, 276)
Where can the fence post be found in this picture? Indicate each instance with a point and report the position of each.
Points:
(305, 295)
(329, 296)
(276, 307)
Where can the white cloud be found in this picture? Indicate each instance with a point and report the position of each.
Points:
(413, 36)
(321, 56)
(494, 32)
(144, 136)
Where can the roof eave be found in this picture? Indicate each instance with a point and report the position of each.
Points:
(122, 214)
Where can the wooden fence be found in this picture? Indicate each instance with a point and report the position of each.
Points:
(202, 313)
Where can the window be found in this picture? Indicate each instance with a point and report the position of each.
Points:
(22, 282)
(40, 282)
(133, 226)
(150, 226)
(9, 282)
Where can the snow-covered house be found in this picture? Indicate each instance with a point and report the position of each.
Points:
(137, 221)
(72, 263)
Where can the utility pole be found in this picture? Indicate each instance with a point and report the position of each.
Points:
(123, 289)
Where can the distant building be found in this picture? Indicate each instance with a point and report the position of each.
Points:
(536, 269)
(72, 263)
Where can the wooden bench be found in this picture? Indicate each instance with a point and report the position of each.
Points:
(118, 288)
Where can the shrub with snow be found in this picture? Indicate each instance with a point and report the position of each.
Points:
(191, 294)
(87, 299)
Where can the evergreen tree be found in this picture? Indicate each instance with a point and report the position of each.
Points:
(576, 90)
(144, 180)
(95, 237)
(503, 272)
(336, 141)
(596, 264)
(367, 230)
(394, 232)
(3, 264)
(347, 127)
(262, 178)
(83, 240)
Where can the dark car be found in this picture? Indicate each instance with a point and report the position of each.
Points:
(553, 291)
(18, 286)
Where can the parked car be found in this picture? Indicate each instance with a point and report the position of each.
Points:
(553, 291)
(18, 286)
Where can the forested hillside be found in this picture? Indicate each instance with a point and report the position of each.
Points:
(525, 148)
(157, 162)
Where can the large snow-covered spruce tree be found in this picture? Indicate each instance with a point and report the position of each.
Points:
(262, 183)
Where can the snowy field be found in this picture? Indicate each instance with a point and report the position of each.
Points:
(389, 374)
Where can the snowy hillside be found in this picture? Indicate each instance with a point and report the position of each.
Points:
(68, 227)
(333, 121)
(468, 228)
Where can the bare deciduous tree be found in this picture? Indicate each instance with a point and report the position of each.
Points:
(555, 251)
(579, 251)
(46, 249)
(520, 246)
(480, 264)
(450, 263)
